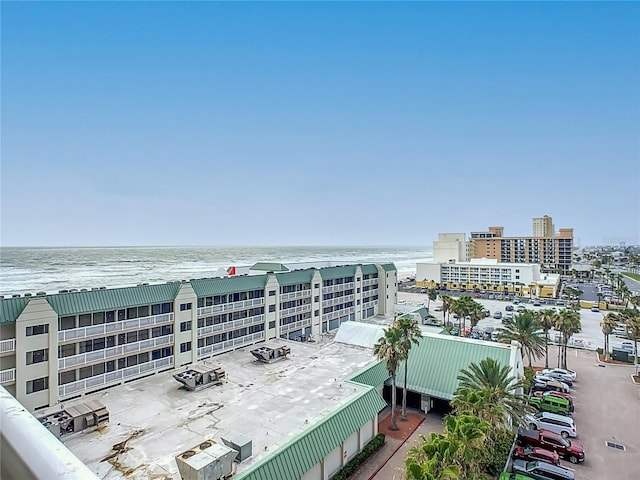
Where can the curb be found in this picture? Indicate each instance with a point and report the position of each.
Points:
(606, 364)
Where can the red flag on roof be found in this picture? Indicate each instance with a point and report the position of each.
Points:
(231, 270)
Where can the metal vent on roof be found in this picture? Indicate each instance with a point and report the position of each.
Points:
(617, 446)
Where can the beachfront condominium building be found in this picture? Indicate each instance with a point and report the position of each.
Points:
(488, 274)
(543, 227)
(552, 251)
(450, 247)
(61, 346)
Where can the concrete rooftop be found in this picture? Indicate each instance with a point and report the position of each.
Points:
(266, 403)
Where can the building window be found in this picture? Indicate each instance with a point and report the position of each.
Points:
(37, 330)
(37, 385)
(272, 308)
(272, 293)
(272, 324)
(185, 347)
(316, 285)
(185, 326)
(37, 356)
(185, 306)
(316, 313)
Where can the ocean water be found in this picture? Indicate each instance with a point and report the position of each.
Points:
(33, 270)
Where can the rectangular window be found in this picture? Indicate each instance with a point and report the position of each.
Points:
(185, 347)
(37, 385)
(272, 308)
(272, 324)
(37, 330)
(185, 306)
(37, 356)
(185, 326)
(67, 323)
(84, 320)
(272, 293)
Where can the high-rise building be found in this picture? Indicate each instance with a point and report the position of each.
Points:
(543, 226)
(450, 247)
(553, 251)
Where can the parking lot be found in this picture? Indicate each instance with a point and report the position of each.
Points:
(607, 409)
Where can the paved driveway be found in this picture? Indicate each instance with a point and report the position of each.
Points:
(607, 409)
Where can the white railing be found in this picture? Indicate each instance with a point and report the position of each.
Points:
(293, 310)
(339, 300)
(223, 327)
(225, 307)
(113, 352)
(338, 314)
(8, 376)
(370, 281)
(113, 327)
(229, 344)
(294, 295)
(289, 327)
(99, 381)
(7, 346)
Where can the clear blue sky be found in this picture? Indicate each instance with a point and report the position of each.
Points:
(317, 123)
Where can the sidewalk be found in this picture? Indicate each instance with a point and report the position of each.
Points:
(388, 462)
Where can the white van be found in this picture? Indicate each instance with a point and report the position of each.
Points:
(555, 423)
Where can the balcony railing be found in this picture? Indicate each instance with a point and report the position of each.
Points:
(338, 288)
(225, 307)
(226, 326)
(338, 314)
(94, 383)
(113, 327)
(113, 352)
(290, 327)
(229, 344)
(8, 346)
(293, 310)
(7, 376)
(294, 295)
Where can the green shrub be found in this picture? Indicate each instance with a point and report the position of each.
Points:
(495, 458)
(599, 350)
(368, 450)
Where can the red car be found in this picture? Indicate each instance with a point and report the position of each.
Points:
(536, 453)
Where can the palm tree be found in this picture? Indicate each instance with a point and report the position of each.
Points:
(503, 391)
(546, 319)
(478, 403)
(463, 307)
(567, 323)
(446, 306)
(525, 330)
(434, 459)
(389, 349)
(632, 320)
(471, 432)
(432, 294)
(409, 335)
(609, 322)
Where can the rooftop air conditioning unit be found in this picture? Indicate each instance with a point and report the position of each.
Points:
(207, 461)
(201, 376)
(240, 444)
(75, 418)
(269, 355)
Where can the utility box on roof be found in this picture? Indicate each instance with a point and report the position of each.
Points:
(240, 444)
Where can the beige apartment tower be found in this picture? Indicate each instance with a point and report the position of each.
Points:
(543, 227)
(553, 251)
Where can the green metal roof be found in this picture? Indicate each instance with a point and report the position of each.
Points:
(300, 454)
(388, 267)
(74, 303)
(434, 363)
(368, 269)
(296, 277)
(221, 286)
(11, 308)
(269, 267)
(331, 273)
(373, 375)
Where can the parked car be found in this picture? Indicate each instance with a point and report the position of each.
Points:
(560, 424)
(542, 470)
(491, 296)
(536, 453)
(486, 313)
(438, 308)
(595, 308)
(497, 315)
(536, 303)
(509, 308)
(567, 449)
(564, 371)
(552, 404)
(566, 396)
(521, 308)
(553, 383)
(516, 301)
(556, 376)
